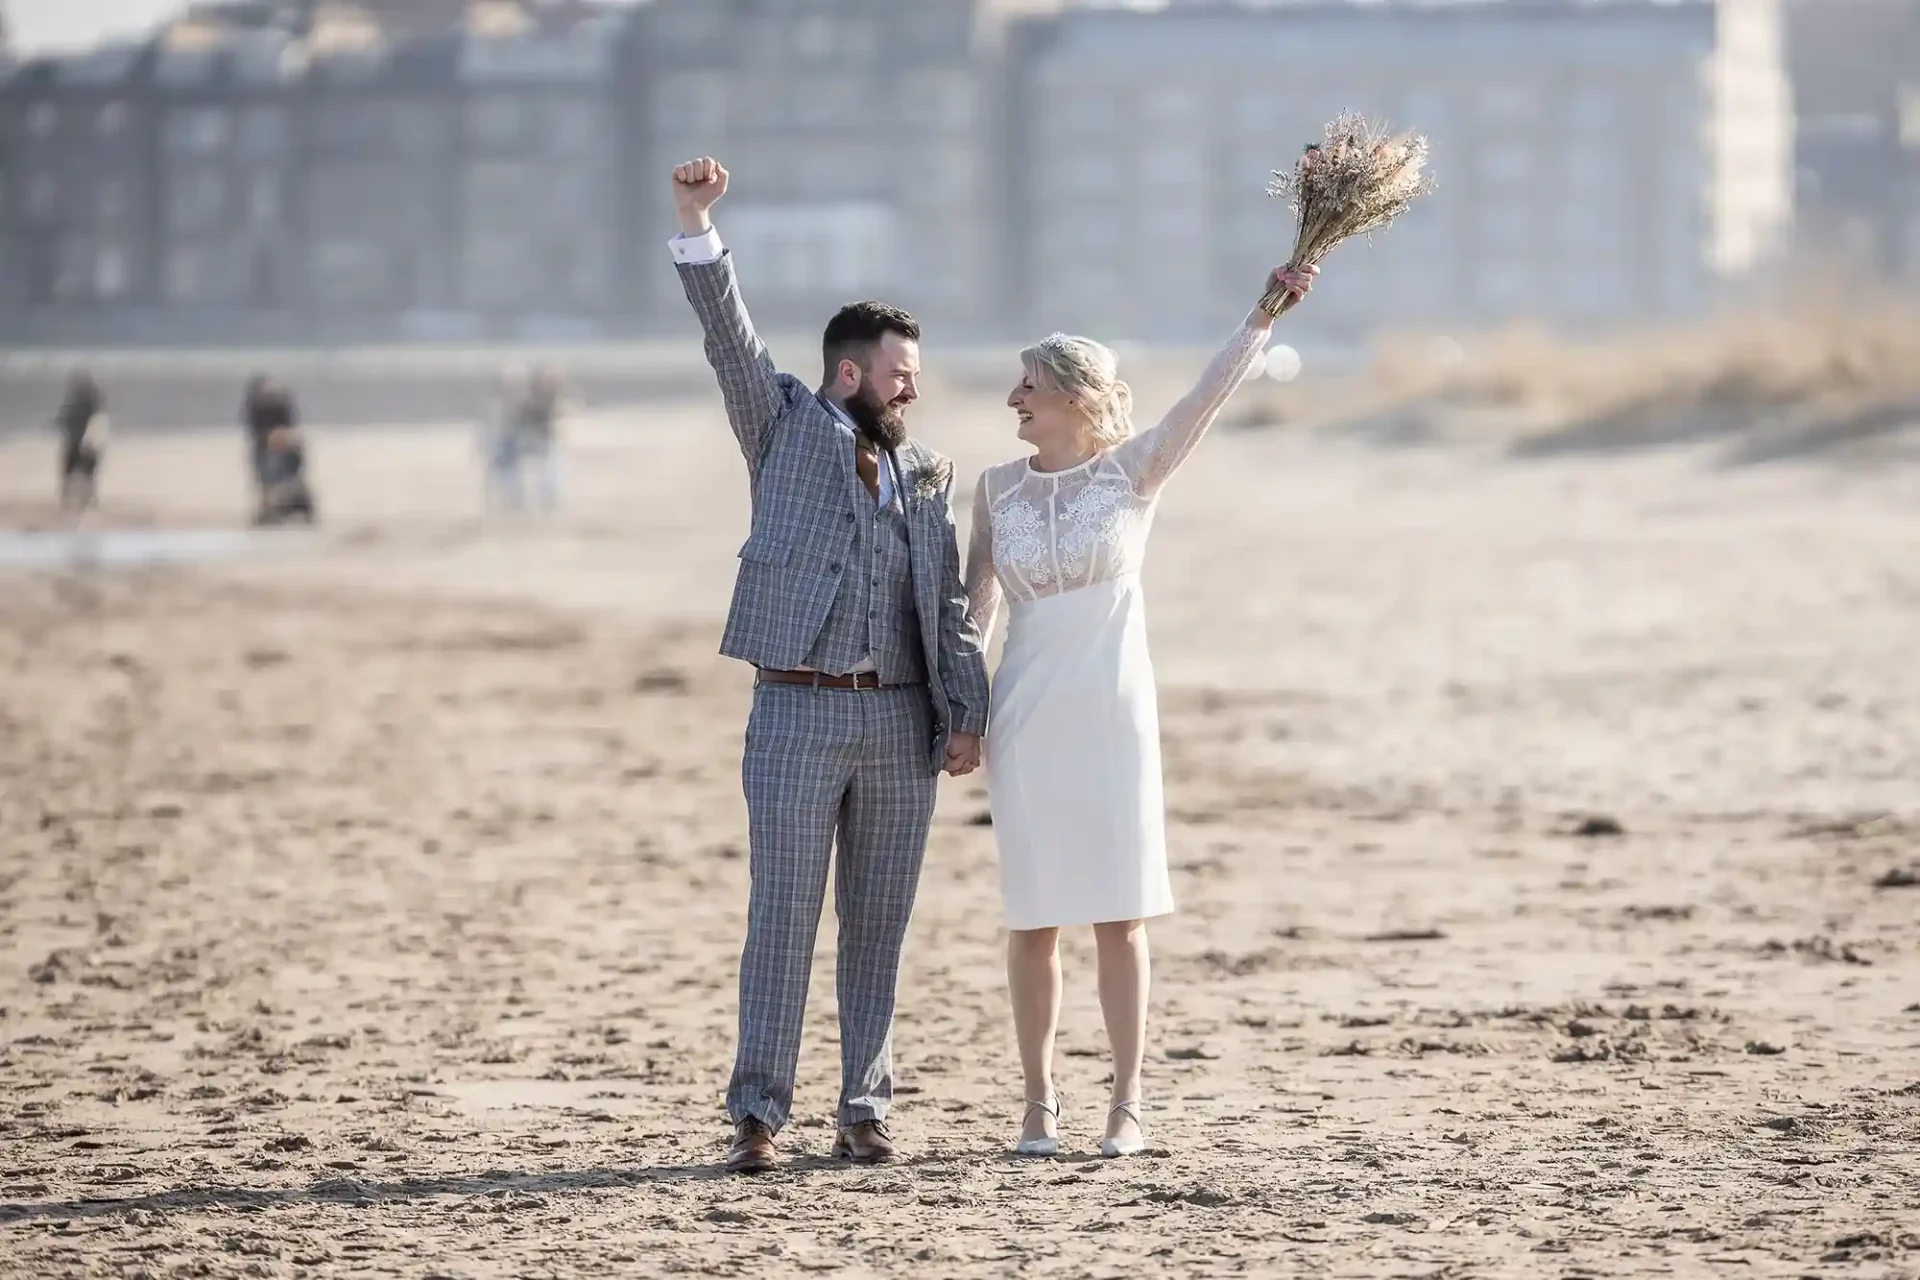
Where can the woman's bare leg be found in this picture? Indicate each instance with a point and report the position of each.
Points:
(1033, 988)
(1125, 976)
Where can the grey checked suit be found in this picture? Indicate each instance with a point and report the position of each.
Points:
(826, 580)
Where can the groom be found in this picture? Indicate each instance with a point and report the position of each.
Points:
(869, 682)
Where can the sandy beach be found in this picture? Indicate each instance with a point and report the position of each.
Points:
(1546, 832)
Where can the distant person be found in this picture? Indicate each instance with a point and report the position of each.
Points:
(279, 455)
(521, 435)
(82, 423)
(266, 408)
(498, 454)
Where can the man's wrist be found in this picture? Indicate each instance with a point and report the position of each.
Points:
(695, 223)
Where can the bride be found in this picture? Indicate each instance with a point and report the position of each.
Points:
(1073, 746)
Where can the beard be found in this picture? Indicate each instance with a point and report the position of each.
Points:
(882, 423)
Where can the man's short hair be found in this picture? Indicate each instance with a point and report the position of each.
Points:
(856, 329)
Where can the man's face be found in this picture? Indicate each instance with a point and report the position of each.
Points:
(889, 382)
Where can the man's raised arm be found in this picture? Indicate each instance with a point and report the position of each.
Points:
(748, 384)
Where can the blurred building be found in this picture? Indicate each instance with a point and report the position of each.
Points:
(1597, 162)
(320, 169)
(80, 198)
(1906, 202)
(868, 141)
(1848, 60)
(371, 170)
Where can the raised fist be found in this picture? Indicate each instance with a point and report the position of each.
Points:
(696, 185)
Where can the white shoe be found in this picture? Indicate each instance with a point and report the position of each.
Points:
(1040, 1146)
(1113, 1148)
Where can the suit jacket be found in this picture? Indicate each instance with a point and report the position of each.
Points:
(799, 455)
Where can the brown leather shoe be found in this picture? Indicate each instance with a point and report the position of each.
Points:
(752, 1150)
(867, 1142)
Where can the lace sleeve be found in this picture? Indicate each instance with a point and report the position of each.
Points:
(1152, 457)
(983, 583)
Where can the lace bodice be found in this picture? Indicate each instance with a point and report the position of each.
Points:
(1041, 533)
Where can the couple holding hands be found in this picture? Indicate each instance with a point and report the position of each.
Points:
(868, 637)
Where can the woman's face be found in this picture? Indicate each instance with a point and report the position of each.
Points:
(1047, 415)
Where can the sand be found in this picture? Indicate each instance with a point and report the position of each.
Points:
(1546, 835)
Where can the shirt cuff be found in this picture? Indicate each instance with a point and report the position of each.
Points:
(694, 250)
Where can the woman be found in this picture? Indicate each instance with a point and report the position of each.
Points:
(82, 423)
(1073, 747)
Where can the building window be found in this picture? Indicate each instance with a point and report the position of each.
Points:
(110, 202)
(1425, 111)
(496, 273)
(198, 131)
(572, 198)
(1589, 171)
(1174, 111)
(263, 200)
(504, 196)
(579, 268)
(187, 275)
(73, 269)
(690, 28)
(838, 248)
(691, 103)
(349, 125)
(813, 38)
(112, 277)
(417, 129)
(1505, 228)
(1506, 166)
(933, 29)
(498, 121)
(263, 133)
(113, 119)
(944, 99)
(349, 272)
(572, 127)
(1593, 110)
(1504, 104)
(1592, 231)
(43, 197)
(1090, 173)
(196, 199)
(1505, 287)
(1593, 293)
(820, 38)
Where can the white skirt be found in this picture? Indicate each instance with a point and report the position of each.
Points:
(1073, 762)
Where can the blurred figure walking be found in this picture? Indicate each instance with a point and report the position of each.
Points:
(279, 455)
(82, 423)
(521, 435)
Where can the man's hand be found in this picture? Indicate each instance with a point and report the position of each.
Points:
(696, 185)
(963, 754)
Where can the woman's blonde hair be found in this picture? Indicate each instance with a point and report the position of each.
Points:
(1089, 374)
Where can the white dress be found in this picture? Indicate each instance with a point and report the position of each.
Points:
(1073, 739)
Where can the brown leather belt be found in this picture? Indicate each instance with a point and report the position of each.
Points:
(853, 680)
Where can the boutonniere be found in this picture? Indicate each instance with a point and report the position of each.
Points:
(931, 481)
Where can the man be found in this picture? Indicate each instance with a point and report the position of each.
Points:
(870, 680)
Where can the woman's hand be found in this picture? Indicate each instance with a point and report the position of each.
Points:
(1295, 282)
